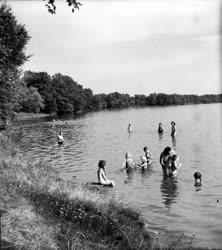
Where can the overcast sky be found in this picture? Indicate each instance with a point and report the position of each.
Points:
(134, 47)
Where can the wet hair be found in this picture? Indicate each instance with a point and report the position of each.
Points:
(174, 157)
(197, 175)
(166, 150)
(102, 164)
(145, 148)
(128, 155)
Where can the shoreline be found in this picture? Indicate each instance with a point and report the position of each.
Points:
(26, 116)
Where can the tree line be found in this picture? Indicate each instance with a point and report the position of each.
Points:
(61, 94)
(39, 92)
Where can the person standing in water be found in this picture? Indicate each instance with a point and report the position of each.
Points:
(129, 127)
(173, 129)
(164, 161)
(143, 163)
(60, 138)
(101, 173)
(160, 128)
(148, 155)
(174, 164)
(128, 163)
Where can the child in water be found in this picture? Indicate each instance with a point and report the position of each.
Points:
(60, 138)
(143, 163)
(197, 179)
(174, 164)
(148, 155)
(128, 163)
(160, 128)
(129, 127)
(101, 173)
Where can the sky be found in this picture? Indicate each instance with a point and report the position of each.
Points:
(135, 47)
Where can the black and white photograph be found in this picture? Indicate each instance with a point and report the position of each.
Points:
(110, 124)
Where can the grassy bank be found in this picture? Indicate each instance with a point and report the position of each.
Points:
(42, 211)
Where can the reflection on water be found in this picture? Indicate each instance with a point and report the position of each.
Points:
(160, 135)
(174, 141)
(169, 190)
(129, 173)
(168, 203)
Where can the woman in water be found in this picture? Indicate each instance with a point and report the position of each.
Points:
(164, 161)
(160, 128)
(101, 173)
(173, 129)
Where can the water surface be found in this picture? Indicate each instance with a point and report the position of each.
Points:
(169, 204)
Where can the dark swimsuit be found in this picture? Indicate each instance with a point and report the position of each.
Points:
(160, 130)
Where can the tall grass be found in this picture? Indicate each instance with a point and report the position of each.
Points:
(42, 211)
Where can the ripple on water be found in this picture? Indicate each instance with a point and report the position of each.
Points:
(169, 204)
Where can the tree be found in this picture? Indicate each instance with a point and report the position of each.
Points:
(51, 5)
(32, 101)
(13, 39)
(43, 82)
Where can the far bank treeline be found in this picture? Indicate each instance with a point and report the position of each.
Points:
(60, 94)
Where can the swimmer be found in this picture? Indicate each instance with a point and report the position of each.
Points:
(129, 127)
(60, 138)
(128, 163)
(148, 155)
(197, 179)
(101, 173)
(173, 129)
(160, 128)
(143, 163)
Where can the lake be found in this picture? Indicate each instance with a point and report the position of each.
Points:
(171, 205)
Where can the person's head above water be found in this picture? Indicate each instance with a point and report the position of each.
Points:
(145, 149)
(197, 176)
(174, 157)
(102, 164)
(128, 155)
(166, 150)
